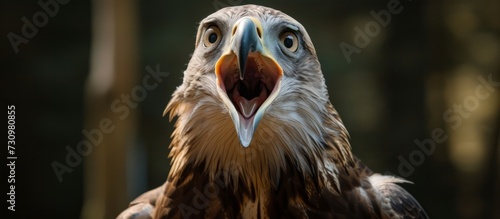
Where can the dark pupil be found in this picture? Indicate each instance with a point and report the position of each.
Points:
(212, 38)
(288, 41)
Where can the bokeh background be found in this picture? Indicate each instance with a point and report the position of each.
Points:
(419, 74)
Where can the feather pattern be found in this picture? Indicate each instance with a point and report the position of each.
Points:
(299, 163)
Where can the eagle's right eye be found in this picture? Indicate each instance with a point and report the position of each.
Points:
(290, 41)
(212, 36)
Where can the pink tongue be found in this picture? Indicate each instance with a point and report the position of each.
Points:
(248, 107)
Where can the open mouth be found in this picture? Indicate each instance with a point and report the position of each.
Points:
(248, 78)
(260, 80)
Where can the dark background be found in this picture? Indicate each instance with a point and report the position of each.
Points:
(393, 93)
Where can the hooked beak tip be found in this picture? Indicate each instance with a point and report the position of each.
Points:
(245, 40)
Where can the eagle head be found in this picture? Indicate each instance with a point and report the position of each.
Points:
(253, 100)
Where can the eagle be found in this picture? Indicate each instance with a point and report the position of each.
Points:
(256, 135)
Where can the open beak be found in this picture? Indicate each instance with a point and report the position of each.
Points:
(248, 77)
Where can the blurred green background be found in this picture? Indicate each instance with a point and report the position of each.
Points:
(415, 76)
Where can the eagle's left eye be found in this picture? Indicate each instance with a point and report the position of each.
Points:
(212, 36)
(290, 41)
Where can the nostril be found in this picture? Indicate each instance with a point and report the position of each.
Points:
(234, 30)
(259, 32)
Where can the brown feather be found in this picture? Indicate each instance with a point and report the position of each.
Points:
(299, 163)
